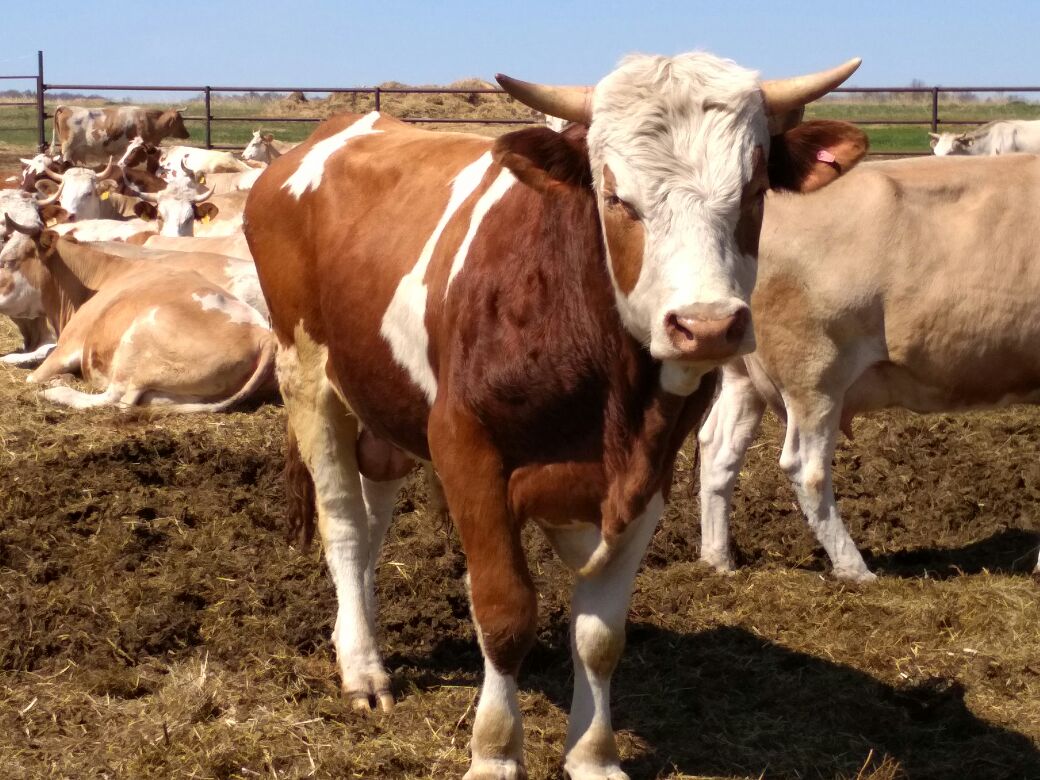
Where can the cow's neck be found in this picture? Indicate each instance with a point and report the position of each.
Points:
(75, 274)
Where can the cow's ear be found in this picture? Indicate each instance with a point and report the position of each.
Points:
(146, 211)
(814, 154)
(108, 185)
(267, 138)
(53, 214)
(48, 239)
(542, 158)
(933, 139)
(46, 187)
(205, 211)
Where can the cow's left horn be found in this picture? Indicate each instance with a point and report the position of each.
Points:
(783, 95)
(571, 103)
(201, 196)
(147, 197)
(52, 198)
(109, 170)
(13, 226)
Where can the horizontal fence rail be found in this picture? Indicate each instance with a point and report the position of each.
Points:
(930, 117)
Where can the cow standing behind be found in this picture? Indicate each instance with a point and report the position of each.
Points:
(912, 284)
(94, 134)
(535, 315)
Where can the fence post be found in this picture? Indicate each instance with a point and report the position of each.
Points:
(377, 91)
(935, 109)
(207, 93)
(41, 113)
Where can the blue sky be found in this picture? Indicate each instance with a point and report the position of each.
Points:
(326, 43)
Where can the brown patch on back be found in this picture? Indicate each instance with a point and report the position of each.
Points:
(626, 237)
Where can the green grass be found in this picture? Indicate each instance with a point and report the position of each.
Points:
(18, 124)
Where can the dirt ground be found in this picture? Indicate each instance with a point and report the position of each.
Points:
(155, 624)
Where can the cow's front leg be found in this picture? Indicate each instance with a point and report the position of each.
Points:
(599, 608)
(502, 595)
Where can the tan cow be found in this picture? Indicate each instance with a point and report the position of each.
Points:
(146, 333)
(263, 147)
(93, 134)
(908, 284)
(535, 315)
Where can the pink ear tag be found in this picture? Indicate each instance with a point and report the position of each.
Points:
(826, 157)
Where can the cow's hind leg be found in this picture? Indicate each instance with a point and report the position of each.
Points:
(812, 434)
(326, 433)
(502, 594)
(599, 608)
(724, 439)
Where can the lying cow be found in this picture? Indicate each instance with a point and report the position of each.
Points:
(21, 297)
(87, 194)
(202, 161)
(89, 134)
(263, 148)
(151, 334)
(535, 315)
(882, 291)
(1004, 136)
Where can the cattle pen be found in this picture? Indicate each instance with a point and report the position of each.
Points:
(157, 624)
(898, 131)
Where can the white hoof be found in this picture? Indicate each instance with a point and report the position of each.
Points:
(495, 769)
(857, 576)
(721, 562)
(593, 772)
(365, 682)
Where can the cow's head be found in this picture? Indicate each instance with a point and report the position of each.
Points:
(81, 191)
(682, 151)
(171, 123)
(260, 148)
(21, 274)
(140, 153)
(950, 143)
(176, 208)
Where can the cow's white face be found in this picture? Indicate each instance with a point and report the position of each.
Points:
(949, 143)
(678, 149)
(81, 193)
(258, 149)
(19, 297)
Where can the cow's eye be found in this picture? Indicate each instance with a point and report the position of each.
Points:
(613, 202)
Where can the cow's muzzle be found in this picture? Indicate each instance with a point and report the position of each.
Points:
(704, 333)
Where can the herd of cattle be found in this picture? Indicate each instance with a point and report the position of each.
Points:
(539, 320)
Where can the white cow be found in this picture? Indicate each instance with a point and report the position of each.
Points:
(201, 160)
(1004, 136)
(911, 283)
(263, 148)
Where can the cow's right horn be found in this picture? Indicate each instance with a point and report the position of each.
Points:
(571, 103)
(109, 170)
(147, 197)
(49, 199)
(13, 226)
(783, 95)
(58, 177)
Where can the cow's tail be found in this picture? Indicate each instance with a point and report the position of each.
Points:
(299, 493)
(59, 111)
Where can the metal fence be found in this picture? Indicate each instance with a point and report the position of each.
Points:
(933, 120)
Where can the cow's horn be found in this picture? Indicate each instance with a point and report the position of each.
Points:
(148, 197)
(201, 196)
(12, 226)
(48, 200)
(188, 171)
(58, 177)
(109, 170)
(571, 103)
(783, 95)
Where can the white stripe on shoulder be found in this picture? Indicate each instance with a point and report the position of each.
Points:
(493, 195)
(312, 166)
(404, 323)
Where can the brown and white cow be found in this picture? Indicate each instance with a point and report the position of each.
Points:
(535, 315)
(144, 332)
(263, 148)
(881, 291)
(90, 134)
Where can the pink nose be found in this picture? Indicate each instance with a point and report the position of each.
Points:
(699, 336)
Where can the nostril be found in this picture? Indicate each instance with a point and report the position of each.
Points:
(737, 329)
(672, 322)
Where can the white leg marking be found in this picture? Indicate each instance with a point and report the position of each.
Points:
(327, 435)
(308, 176)
(380, 498)
(599, 608)
(1037, 568)
(493, 195)
(498, 738)
(28, 359)
(67, 396)
(724, 439)
(806, 457)
(404, 323)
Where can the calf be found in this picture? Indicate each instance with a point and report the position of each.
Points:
(878, 292)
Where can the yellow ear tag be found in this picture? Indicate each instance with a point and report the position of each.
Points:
(104, 195)
(205, 220)
(52, 222)
(202, 179)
